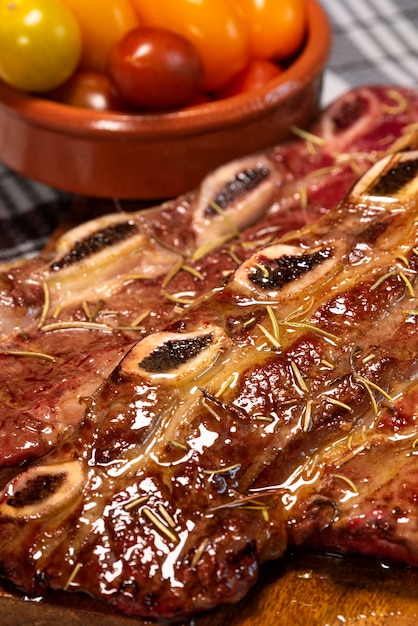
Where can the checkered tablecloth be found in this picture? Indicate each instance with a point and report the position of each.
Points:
(375, 41)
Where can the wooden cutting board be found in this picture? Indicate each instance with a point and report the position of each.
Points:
(300, 590)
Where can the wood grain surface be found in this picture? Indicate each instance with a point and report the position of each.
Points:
(303, 589)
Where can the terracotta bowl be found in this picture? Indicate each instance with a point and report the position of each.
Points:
(157, 156)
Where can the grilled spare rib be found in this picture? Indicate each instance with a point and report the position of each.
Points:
(255, 422)
(67, 319)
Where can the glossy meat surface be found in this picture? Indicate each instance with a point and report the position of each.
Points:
(280, 409)
(68, 318)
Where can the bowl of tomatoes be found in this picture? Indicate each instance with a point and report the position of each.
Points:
(141, 99)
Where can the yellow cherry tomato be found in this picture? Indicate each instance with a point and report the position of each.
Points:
(40, 44)
(102, 23)
(217, 29)
(276, 27)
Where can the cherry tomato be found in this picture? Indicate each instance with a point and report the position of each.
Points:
(276, 27)
(91, 90)
(153, 68)
(216, 27)
(254, 76)
(102, 23)
(40, 43)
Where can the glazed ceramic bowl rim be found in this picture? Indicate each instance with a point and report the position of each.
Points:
(233, 110)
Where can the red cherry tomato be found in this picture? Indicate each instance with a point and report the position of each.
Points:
(216, 27)
(152, 68)
(255, 75)
(276, 27)
(91, 90)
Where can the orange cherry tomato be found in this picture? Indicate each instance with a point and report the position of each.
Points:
(217, 29)
(276, 27)
(255, 75)
(102, 24)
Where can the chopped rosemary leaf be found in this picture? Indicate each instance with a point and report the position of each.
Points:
(327, 364)
(173, 271)
(263, 269)
(337, 402)
(349, 482)
(303, 195)
(234, 256)
(209, 246)
(274, 323)
(365, 381)
(193, 271)
(57, 311)
(304, 134)
(46, 305)
(140, 318)
(165, 530)
(135, 503)
(270, 337)
(257, 243)
(400, 103)
(177, 444)
(227, 383)
(177, 298)
(382, 279)
(320, 171)
(166, 515)
(212, 410)
(199, 552)
(307, 420)
(248, 322)
(222, 470)
(299, 378)
(368, 358)
(37, 355)
(86, 309)
(226, 217)
(77, 326)
(402, 258)
(72, 576)
(312, 327)
(408, 284)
